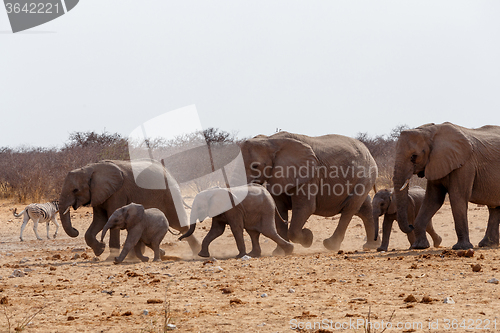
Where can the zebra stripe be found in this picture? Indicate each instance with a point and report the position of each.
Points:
(41, 212)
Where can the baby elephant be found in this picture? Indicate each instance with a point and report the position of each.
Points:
(384, 203)
(248, 207)
(144, 227)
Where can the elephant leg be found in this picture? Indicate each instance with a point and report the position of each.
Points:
(155, 246)
(281, 227)
(365, 212)
(285, 246)
(138, 249)
(256, 250)
(133, 240)
(302, 208)
(459, 205)
(215, 231)
(333, 243)
(98, 222)
(436, 239)
(491, 236)
(157, 251)
(433, 200)
(386, 233)
(194, 244)
(237, 230)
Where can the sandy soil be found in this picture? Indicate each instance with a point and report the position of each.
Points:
(313, 290)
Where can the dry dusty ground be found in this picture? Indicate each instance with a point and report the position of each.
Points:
(268, 294)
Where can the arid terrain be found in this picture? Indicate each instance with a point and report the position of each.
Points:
(67, 289)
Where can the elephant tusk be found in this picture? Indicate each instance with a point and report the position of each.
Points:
(405, 184)
(67, 210)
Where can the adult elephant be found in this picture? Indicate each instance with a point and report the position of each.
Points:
(325, 176)
(109, 185)
(465, 163)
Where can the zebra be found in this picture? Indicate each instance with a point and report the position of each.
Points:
(39, 213)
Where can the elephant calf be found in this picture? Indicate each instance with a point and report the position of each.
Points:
(248, 207)
(384, 203)
(144, 227)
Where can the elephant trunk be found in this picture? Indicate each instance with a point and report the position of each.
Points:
(65, 217)
(104, 231)
(192, 224)
(401, 179)
(190, 231)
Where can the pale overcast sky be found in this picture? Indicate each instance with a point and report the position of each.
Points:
(312, 67)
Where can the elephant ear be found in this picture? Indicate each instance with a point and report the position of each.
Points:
(294, 164)
(392, 209)
(106, 179)
(220, 202)
(135, 214)
(450, 150)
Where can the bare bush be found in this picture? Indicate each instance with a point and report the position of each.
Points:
(35, 173)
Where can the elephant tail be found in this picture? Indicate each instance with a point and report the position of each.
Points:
(190, 231)
(185, 204)
(281, 217)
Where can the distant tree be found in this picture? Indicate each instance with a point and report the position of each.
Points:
(101, 146)
(86, 139)
(396, 131)
(215, 135)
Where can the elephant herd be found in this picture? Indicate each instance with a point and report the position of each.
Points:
(324, 176)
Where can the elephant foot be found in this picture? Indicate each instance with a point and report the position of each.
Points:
(437, 241)
(144, 259)
(463, 245)
(99, 249)
(382, 249)
(488, 242)
(371, 245)
(204, 254)
(162, 252)
(278, 251)
(288, 248)
(241, 255)
(117, 261)
(307, 238)
(253, 254)
(420, 244)
(331, 244)
(157, 259)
